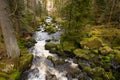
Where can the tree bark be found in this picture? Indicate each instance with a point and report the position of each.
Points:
(34, 12)
(8, 31)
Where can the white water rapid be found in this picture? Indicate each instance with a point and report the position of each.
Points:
(41, 66)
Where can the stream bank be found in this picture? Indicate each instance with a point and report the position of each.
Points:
(55, 59)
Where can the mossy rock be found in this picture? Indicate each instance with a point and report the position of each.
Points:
(88, 70)
(82, 53)
(50, 29)
(56, 61)
(91, 43)
(25, 61)
(32, 40)
(105, 50)
(49, 45)
(15, 76)
(99, 73)
(59, 50)
(68, 46)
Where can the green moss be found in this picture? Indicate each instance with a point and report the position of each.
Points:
(15, 76)
(105, 50)
(26, 43)
(25, 61)
(32, 40)
(92, 55)
(50, 29)
(99, 73)
(5, 75)
(95, 33)
(112, 55)
(55, 61)
(108, 76)
(117, 55)
(96, 51)
(88, 70)
(2, 78)
(82, 53)
(68, 46)
(2, 65)
(50, 45)
(59, 50)
(106, 59)
(91, 43)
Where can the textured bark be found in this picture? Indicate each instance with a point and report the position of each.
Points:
(7, 30)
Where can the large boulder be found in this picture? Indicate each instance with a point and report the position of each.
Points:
(50, 46)
(91, 43)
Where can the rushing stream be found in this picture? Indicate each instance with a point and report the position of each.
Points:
(43, 68)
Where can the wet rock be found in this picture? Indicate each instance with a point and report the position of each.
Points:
(56, 61)
(48, 40)
(73, 73)
(91, 43)
(83, 63)
(51, 77)
(50, 45)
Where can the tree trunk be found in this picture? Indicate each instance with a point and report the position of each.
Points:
(34, 12)
(7, 30)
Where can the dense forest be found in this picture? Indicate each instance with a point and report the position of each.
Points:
(59, 39)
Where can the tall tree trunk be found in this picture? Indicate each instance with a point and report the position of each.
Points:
(7, 30)
(34, 12)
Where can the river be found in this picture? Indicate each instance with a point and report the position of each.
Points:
(43, 68)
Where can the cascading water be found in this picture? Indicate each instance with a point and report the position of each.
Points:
(41, 66)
